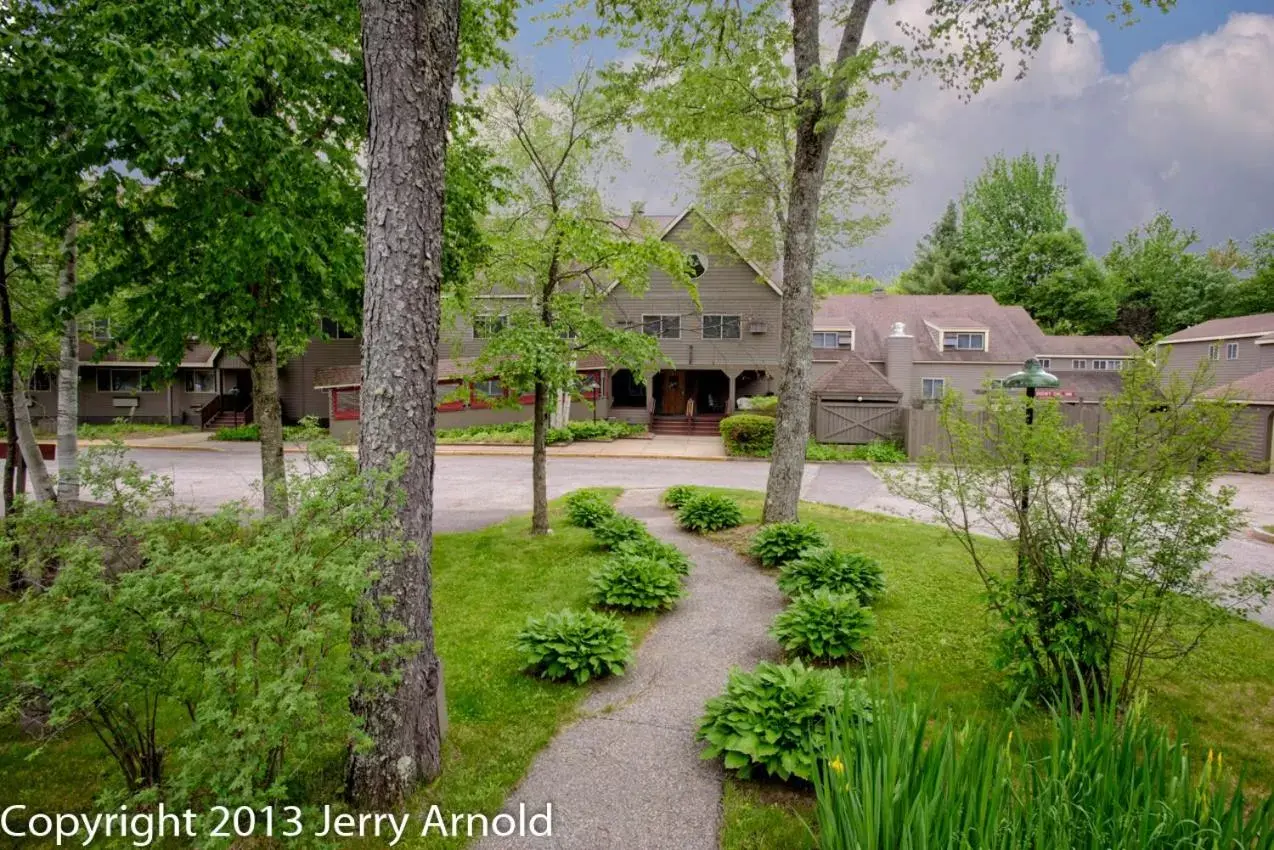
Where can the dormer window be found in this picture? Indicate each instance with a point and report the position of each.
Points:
(833, 339)
(964, 340)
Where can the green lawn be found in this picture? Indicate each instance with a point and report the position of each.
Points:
(933, 636)
(129, 430)
(486, 583)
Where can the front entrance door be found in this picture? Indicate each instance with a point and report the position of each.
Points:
(672, 399)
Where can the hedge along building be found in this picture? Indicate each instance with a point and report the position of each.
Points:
(898, 350)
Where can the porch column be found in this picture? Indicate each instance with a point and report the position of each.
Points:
(732, 374)
(650, 393)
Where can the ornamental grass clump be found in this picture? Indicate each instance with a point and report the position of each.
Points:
(772, 720)
(676, 496)
(618, 529)
(650, 547)
(709, 512)
(834, 570)
(576, 645)
(780, 542)
(585, 509)
(824, 626)
(634, 583)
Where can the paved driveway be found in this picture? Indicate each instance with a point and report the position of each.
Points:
(474, 491)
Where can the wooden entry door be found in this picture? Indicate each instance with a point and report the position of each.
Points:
(672, 399)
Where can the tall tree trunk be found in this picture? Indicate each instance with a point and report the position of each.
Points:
(41, 483)
(267, 413)
(540, 462)
(8, 357)
(409, 55)
(819, 119)
(68, 491)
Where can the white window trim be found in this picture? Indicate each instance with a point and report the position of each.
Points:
(1079, 365)
(1045, 362)
(943, 331)
(839, 342)
(942, 384)
(1214, 351)
(738, 321)
(1231, 348)
(646, 319)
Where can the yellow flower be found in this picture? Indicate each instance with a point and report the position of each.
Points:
(837, 765)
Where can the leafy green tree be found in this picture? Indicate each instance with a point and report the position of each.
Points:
(1011, 201)
(556, 243)
(940, 266)
(1062, 286)
(1164, 285)
(1255, 293)
(1113, 546)
(770, 55)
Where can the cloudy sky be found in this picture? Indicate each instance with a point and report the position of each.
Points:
(1175, 114)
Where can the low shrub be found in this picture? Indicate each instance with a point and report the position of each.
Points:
(618, 528)
(304, 431)
(877, 451)
(677, 495)
(585, 509)
(824, 626)
(521, 433)
(709, 512)
(773, 719)
(916, 778)
(780, 542)
(634, 583)
(578, 645)
(649, 547)
(765, 405)
(834, 570)
(748, 435)
(239, 433)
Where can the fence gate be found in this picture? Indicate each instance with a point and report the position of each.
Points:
(852, 422)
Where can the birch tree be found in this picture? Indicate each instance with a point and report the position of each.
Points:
(556, 243)
(966, 43)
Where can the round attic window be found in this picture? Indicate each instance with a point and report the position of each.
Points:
(698, 265)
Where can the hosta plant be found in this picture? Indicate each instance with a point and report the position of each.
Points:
(709, 512)
(772, 720)
(780, 542)
(585, 508)
(578, 645)
(824, 626)
(634, 583)
(834, 570)
(676, 496)
(650, 547)
(618, 529)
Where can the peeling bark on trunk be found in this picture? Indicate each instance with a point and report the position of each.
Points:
(68, 486)
(815, 132)
(540, 462)
(41, 483)
(409, 59)
(267, 412)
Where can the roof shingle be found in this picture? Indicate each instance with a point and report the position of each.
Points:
(855, 378)
(1254, 325)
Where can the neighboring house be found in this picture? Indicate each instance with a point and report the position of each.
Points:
(1240, 354)
(913, 349)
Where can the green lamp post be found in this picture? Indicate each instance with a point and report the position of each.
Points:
(1032, 377)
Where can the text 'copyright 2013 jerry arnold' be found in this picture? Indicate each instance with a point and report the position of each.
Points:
(145, 828)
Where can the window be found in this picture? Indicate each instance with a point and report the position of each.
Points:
(964, 340)
(933, 387)
(490, 388)
(721, 327)
(1044, 362)
(101, 329)
(833, 339)
(698, 265)
(664, 327)
(346, 403)
(1079, 364)
(41, 381)
(1231, 351)
(488, 326)
(122, 381)
(201, 381)
(1108, 365)
(1214, 351)
(332, 330)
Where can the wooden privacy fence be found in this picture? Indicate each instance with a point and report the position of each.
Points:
(855, 422)
(1252, 440)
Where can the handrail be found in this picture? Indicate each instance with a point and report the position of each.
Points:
(247, 414)
(209, 411)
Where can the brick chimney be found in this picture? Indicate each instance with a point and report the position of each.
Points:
(900, 355)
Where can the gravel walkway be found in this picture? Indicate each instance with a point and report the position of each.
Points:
(627, 775)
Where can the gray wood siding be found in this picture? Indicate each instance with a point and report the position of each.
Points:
(296, 378)
(968, 378)
(1185, 357)
(728, 287)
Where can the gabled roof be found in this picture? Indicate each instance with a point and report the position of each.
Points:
(1258, 324)
(855, 378)
(1089, 346)
(1257, 388)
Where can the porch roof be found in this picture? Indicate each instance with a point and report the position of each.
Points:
(351, 377)
(856, 378)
